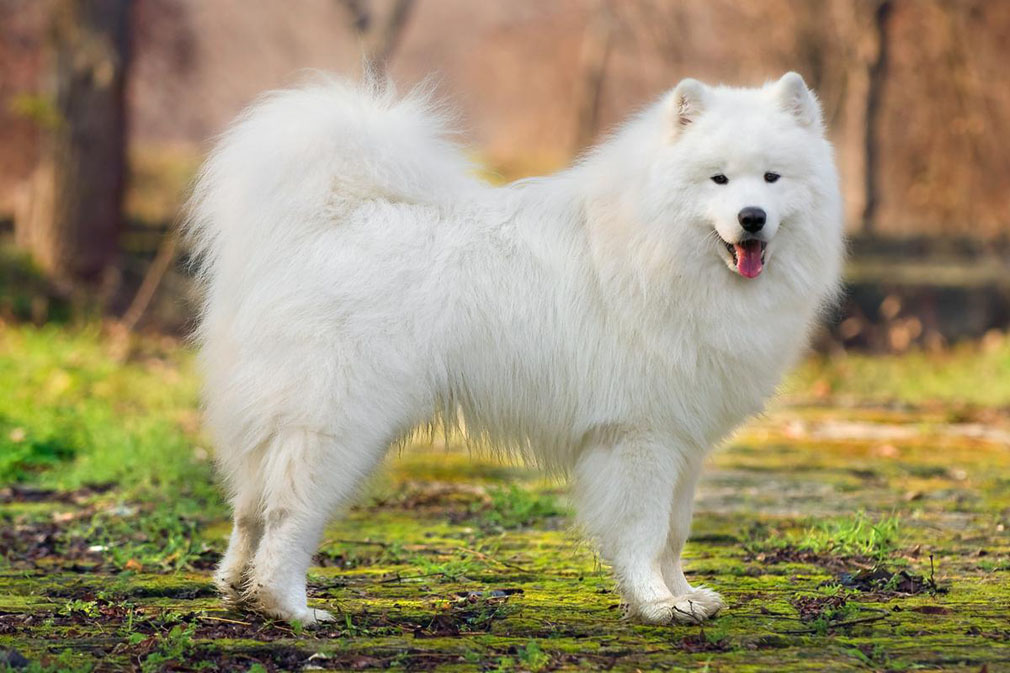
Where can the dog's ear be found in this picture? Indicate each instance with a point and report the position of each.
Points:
(794, 97)
(686, 103)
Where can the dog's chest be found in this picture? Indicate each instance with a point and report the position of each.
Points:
(714, 371)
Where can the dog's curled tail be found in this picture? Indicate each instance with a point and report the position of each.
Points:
(298, 158)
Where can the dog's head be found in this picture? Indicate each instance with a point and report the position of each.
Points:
(749, 162)
(737, 174)
(726, 189)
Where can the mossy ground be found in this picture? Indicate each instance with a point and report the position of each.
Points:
(849, 528)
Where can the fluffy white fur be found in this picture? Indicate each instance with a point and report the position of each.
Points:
(359, 281)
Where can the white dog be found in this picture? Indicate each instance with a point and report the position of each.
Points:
(613, 321)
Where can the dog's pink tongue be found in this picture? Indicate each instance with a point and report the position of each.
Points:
(748, 259)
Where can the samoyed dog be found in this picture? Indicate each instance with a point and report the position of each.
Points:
(611, 322)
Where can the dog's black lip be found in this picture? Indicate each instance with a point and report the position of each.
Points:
(732, 247)
(732, 251)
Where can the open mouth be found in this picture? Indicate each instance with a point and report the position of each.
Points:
(748, 256)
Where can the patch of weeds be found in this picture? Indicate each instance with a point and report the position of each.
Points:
(79, 607)
(873, 655)
(830, 544)
(962, 375)
(471, 613)
(829, 610)
(532, 658)
(505, 665)
(515, 507)
(472, 656)
(855, 536)
(165, 648)
(356, 629)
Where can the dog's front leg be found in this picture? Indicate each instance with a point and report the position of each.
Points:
(625, 494)
(704, 599)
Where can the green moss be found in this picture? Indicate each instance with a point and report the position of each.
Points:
(458, 563)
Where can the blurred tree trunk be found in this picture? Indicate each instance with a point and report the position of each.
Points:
(877, 71)
(596, 47)
(74, 219)
(817, 54)
(379, 36)
(862, 26)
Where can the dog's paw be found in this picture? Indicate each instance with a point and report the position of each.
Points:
(693, 607)
(305, 616)
(281, 605)
(711, 600)
(302, 614)
(311, 616)
(230, 588)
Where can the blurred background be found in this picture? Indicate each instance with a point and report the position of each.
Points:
(106, 108)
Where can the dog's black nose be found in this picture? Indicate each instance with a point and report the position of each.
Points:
(752, 219)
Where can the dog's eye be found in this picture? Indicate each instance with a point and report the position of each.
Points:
(771, 177)
(721, 179)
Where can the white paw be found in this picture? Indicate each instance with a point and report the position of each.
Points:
(287, 606)
(709, 599)
(230, 587)
(305, 616)
(310, 616)
(693, 607)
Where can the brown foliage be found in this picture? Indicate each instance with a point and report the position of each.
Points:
(536, 79)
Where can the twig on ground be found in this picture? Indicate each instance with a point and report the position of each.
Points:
(358, 542)
(400, 578)
(850, 622)
(485, 557)
(152, 280)
(222, 619)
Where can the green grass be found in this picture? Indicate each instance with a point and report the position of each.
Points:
(76, 417)
(454, 562)
(856, 536)
(514, 507)
(72, 413)
(966, 374)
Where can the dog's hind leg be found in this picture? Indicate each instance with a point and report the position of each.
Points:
(247, 529)
(307, 476)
